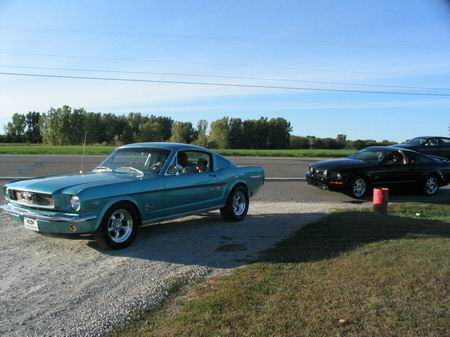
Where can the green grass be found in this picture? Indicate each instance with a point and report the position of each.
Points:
(382, 275)
(99, 150)
(311, 153)
(47, 149)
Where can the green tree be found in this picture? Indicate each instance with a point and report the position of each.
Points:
(279, 133)
(33, 129)
(182, 132)
(92, 125)
(235, 134)
(220, 133)
(256, 133)
(297, 142)
(202, 138)
(15, 130)
(341, 141)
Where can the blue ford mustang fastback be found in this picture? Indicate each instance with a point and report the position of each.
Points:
(137, 184)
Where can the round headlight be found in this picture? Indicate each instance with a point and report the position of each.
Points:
(339, 176)
(325, 173)
(311, 169)
(75, 203)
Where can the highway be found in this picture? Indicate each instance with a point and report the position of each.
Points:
(278, 191)
(39, 165)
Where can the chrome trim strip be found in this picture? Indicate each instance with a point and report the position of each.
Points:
(181, 215)
(55, 218)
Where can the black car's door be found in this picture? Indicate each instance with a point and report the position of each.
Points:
(444, 148)
(431, 146)
(394, 169)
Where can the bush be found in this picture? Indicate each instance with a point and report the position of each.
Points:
(297, 142)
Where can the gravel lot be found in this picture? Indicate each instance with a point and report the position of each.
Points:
(57, 286)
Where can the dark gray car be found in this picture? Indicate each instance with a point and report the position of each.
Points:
(436, 146)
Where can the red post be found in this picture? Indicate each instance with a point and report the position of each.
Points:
(380, 200)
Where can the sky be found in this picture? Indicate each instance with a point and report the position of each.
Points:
(371, 45)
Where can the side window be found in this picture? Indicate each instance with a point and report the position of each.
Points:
(190, 162)
(411, 157)
(445, 142)
(394, 158)
(434, 142)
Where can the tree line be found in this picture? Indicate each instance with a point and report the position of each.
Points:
(67, 126)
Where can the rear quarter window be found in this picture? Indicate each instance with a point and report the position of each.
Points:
(445, 142)
(221, 162)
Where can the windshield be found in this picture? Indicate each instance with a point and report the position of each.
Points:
(416, 141)
(136, 161)
(370, 155)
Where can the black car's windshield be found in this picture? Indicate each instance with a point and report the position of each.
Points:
(136, 161)
(370, 155)
(416, 141)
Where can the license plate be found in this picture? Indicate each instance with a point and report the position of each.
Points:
(31, 224)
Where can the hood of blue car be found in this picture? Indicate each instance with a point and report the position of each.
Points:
(54, 185)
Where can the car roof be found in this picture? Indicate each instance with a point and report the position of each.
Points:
(389, 148)
(429, 137)
(164, 146)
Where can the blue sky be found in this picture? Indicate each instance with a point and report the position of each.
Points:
(400, 43)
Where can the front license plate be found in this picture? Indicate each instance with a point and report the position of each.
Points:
(31, 224)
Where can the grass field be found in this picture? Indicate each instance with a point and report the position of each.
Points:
(99, 150)
(352, 273)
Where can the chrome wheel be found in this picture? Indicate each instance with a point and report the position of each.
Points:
(120, 225)
(431, 185)
(239, 203)
(359, 187)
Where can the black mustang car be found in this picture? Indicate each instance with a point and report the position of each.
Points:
(381, 166)
(436, 146)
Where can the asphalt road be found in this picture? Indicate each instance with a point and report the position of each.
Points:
(40, 165)
(279, 191)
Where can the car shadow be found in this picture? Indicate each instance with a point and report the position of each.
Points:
(336, 235)
(210, 241)
(409, 194)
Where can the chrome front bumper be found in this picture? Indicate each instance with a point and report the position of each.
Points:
(61, 217)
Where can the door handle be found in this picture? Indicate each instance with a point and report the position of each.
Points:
(212, 175)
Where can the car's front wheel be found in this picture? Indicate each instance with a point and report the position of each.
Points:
(237, 204)
(430, 185)
(358, 187)
(118, 227)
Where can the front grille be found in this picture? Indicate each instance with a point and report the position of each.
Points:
(32, 198)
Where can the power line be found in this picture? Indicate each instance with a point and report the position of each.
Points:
(226, 84)
(232, 65)
(252, 39)
(224, 77)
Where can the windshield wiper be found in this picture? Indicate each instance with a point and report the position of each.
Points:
(130, 168)
(104, 168)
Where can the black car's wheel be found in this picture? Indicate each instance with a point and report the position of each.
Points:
(237, 204)
(430, 185)
(358, 187)
(118, 228)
